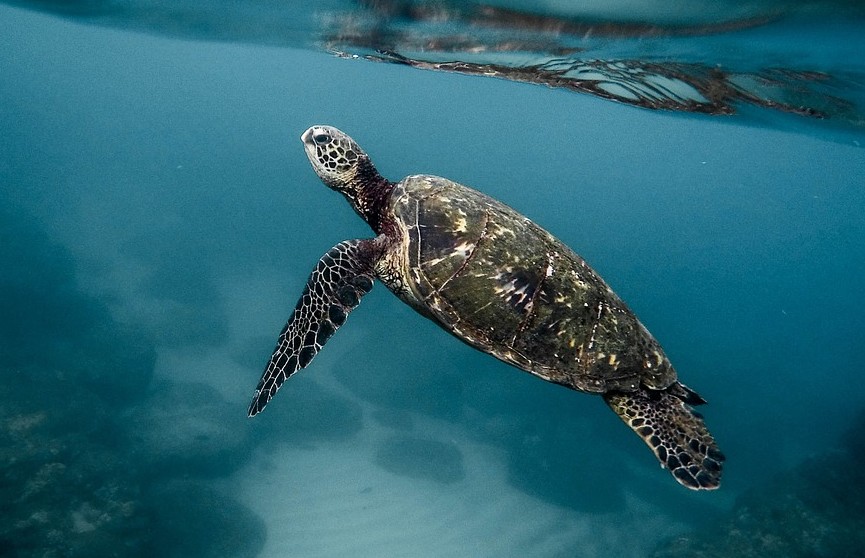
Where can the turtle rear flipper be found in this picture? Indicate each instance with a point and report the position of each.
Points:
(674, 432)
(343, 275)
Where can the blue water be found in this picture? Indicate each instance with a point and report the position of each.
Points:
(158, 219)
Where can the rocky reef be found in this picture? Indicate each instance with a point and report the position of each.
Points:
(815, 510)
(96, 460)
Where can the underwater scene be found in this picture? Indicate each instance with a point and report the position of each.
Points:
(160, 218)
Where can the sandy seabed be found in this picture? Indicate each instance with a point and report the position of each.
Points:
(333, 499)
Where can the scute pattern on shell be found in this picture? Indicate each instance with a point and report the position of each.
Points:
(503, 284)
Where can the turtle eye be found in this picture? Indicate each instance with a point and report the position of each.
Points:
(321, 138)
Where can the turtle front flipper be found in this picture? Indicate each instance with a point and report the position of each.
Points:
(343, 275)
(674, 432)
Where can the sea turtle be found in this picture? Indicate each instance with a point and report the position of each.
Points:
(502, 284)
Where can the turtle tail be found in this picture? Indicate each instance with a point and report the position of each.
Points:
(675, 433)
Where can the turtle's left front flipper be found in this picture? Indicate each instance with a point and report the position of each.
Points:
(343, 275)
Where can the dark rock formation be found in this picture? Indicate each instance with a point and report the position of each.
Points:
(192, 519)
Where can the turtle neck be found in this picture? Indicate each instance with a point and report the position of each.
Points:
(371, 191)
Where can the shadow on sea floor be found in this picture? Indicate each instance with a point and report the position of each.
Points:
(421, 458)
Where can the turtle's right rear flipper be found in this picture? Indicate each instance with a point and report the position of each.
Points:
(343, 275)
(675, 433)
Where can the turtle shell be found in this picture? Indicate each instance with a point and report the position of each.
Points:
(503, 284)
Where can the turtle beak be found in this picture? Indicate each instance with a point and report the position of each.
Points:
(309, 144)
(306, 137)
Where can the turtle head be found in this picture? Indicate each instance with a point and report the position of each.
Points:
(336, 158)
(343, 166)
